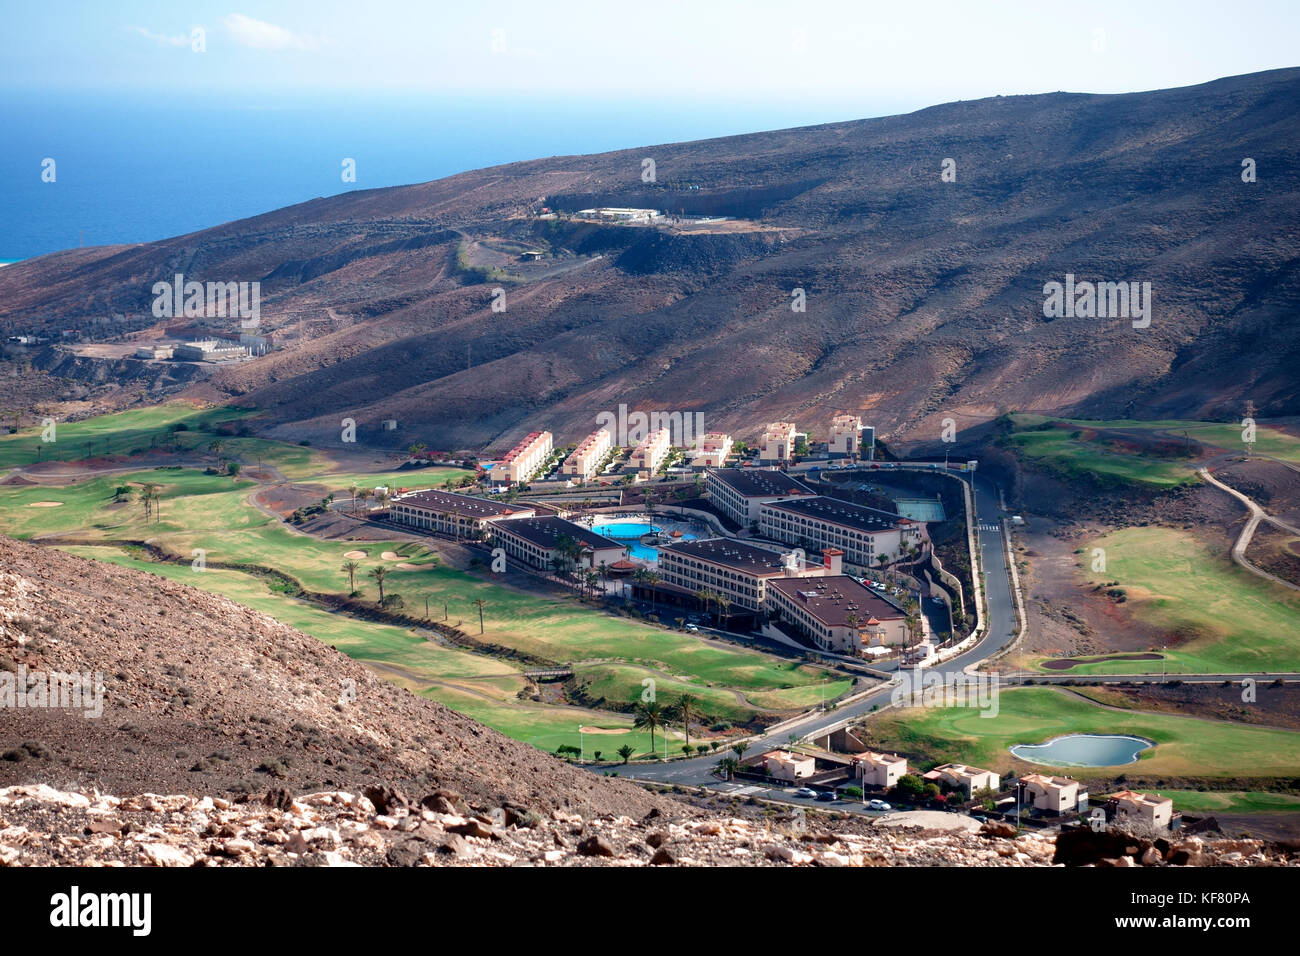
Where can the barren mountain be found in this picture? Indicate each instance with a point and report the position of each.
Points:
(203, 695)
(924, 297)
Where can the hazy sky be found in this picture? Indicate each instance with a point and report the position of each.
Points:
(858, 58)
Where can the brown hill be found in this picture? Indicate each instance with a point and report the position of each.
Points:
(924, 297)
(202, 695)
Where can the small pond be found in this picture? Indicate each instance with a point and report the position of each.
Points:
(1084, 750)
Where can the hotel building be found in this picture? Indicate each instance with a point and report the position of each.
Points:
(586, 458)
(535, 541)
(739, 493)
(732, 568)
(863, 534)
(836, 613)
(458, 515)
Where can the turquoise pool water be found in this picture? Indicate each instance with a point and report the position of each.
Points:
(1084, 750)
(629, 533)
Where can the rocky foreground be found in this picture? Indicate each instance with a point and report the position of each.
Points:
(41, 826)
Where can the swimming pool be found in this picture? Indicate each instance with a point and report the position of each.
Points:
(629, 532)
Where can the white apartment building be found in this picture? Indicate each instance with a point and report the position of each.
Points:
(777, 443)
(586, 458)
(524, 459)
(711, 450)
(652, 451)
(845, 436)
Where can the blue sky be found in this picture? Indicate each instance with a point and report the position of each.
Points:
(841, 59)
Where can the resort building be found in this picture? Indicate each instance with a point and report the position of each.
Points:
(739, 493)
(836, 613)
(1129, 806)
(522, 461)
(711, 450)
(879, 770)
(586, 458)
(619, 214)
(845, 437)
(651, 452)
(731, 568)
(865, 535)
(788, 766)
(1054, 795)
(537, 542)
(458, 515)
(958, 776)
(777, 443)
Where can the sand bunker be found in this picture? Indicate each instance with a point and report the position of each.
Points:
(604, 730)
(354, 555)
(389, 555)
(404, 566)
(46, 504)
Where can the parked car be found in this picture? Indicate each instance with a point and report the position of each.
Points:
(691, 627)
(826, 796)
(808, 793)
(878, 805)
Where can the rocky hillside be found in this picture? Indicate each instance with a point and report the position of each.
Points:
(924, 297)
(202, 695)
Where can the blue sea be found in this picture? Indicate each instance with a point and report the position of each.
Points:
(133, 170)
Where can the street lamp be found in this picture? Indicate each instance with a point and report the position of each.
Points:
(582, 747)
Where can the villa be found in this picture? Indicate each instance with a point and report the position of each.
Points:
(879, 770)
(711, 450)
(961, 777)
(524, 459)
(1054, 795)
(1133, 807)
(788, 766)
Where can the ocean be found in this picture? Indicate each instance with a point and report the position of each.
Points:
(130, 170)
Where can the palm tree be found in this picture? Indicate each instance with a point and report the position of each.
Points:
(592, 578)
(480, 604)
(651, 716)
(724, 603)
(626, 753)
(354, 487)
(364, 494)
(217, 447)
(379, 574)
(351, 567)
(652, 578)
(729, 766)
(155, 492)
(383, 497)
(739, 750)
(417, 450)
(686, 709)
(704, 596)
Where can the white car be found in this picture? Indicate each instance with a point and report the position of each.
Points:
(878, 805)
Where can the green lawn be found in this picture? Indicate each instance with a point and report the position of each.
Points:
(1232, 801)
(1231, 620)
(1074, 450)
(1185, 746)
